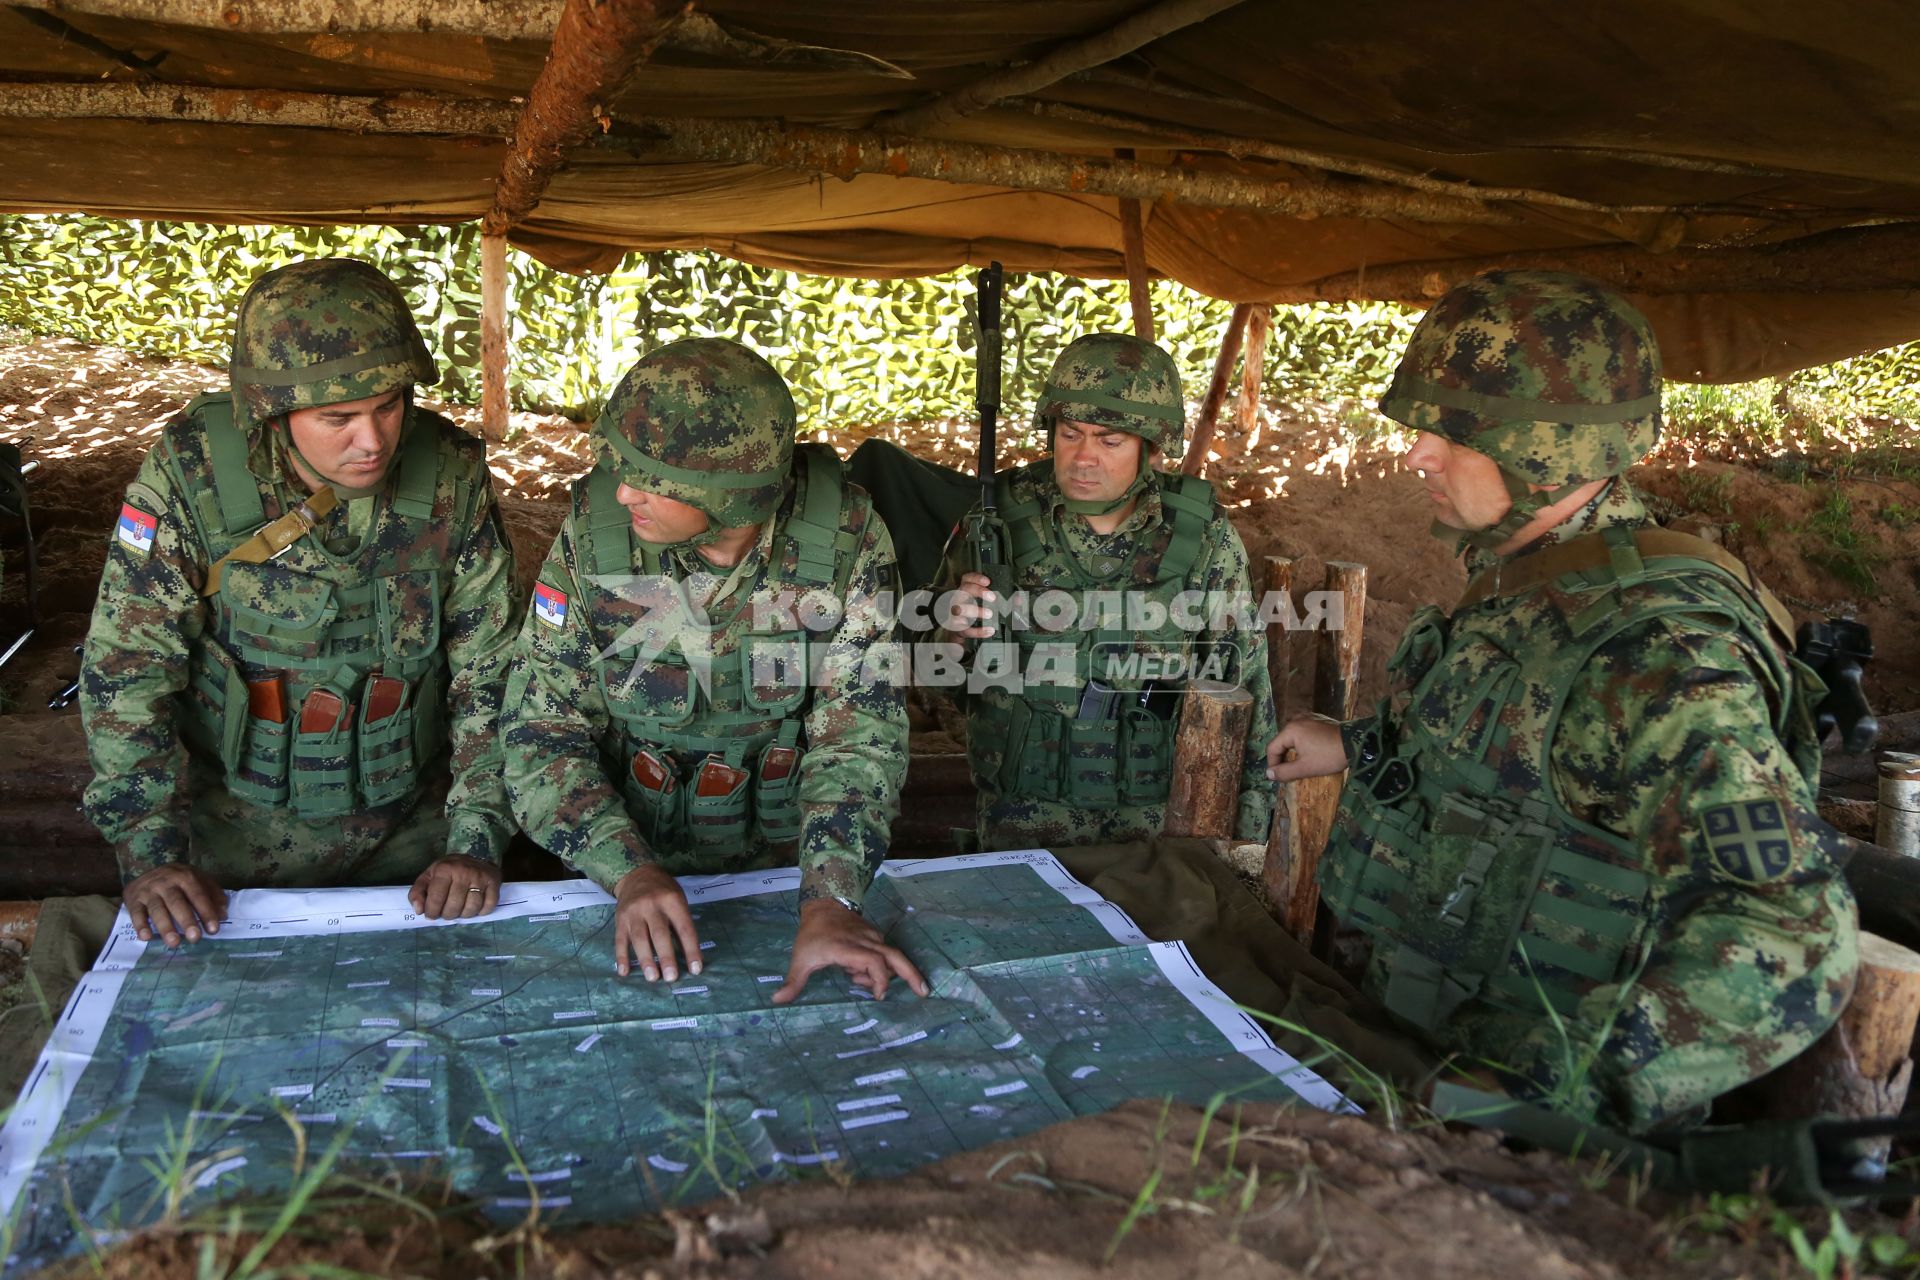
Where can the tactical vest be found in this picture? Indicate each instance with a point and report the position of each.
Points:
(1123, 753)
(1452, 849)
(322, 622)
(753, 697)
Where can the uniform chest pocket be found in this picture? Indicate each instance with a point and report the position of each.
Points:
(774, 671)
(662, 689)
(407, 610)
(276, 613)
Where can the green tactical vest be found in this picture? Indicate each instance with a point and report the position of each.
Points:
(322, 621)
(1035, 744)
(1451, 848)
(755, 692)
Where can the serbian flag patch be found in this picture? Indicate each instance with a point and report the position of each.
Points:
(550, 605)
(137, 528)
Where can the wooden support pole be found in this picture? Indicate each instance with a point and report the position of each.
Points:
(845, 153)
(1137, 29)
(1310, 804)
(401, 113)
(1207, 759)
(1201, 439)
(494, 19)
(596, 45)
(1252, 370)
(1862, 1067)
(495, 403)
(1279, 586)
(1281, 869)
(1133, 251)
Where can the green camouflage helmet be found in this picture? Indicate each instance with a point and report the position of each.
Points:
(1553, 376)
(706, 422)
(1119, 381)
(322, 332)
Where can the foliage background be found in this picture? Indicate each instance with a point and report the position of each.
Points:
(856, 351)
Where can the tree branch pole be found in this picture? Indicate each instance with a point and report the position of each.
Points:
(1204, 799)
(1280, 871)
(494, 19)
(403, 113)
(843, 153)
(495, 398)
(1252, 370)
(1141, 28)
(1133, 247)
(1201, 440)
(596, 46)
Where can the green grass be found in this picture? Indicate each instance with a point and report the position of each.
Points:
(1841, 548)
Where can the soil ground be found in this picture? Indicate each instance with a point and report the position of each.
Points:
(1142, 1191)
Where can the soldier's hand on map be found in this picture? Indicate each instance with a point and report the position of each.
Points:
(1309, 747)
(456, 888)
(173, 903)
(649, 915)
(832, 935)
(962, 607)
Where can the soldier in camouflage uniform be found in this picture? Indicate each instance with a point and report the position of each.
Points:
(1579, 832)
(294, 669)
(704, 683)
(1079, 749)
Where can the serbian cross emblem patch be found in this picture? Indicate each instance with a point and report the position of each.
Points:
(137, 528)
(550, 605)
(1750, 840)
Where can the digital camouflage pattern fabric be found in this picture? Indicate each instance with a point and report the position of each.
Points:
(1580, 831)
(1553, 376)
(706, 422)
(415, 580)
(1045, 776)
(1116, 380)
(644, 668)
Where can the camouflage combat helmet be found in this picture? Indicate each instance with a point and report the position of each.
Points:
(322, 332)
(1119, 381)
(1553, 376)
(706, 422)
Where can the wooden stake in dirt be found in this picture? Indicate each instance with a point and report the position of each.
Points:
(1207, 756)
(1304, 810)
(495, 405)
(1279, 586)
(1861, 1067)
(1283, 864)
(1202, 438)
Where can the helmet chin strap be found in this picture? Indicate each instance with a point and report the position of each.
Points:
(1527, 503)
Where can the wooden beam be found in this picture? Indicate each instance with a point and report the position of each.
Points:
(1133, 247)
(403, 113)
(1139, 29)
(596, 46)
(1336, 665)
(1280, 872)
(1207, 760)
(495, 404)
(843, 153)
(1195, 459)
(1315, 801)
(494, 19)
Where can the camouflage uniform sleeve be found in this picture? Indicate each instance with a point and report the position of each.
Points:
(1754, 933)
(856, 723)
(145, 620)
(478, 632)
(1227, 576)
(551, 723)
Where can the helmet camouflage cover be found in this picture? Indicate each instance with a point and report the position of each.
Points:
(1119, 381)
(322, 332)
(706, 422)
(1553, 376)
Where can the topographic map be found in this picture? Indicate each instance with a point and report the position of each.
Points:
(505, 1055)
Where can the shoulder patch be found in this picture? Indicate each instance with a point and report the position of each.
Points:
(550, 605)
(136, 529)
(1750, 840)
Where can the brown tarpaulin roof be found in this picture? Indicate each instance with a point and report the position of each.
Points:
(1735, 122)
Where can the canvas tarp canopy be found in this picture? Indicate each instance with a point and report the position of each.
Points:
(1749, 170)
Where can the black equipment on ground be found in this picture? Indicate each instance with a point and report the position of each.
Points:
(1837, 650)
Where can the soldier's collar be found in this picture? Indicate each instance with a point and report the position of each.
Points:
(1147, 512)
(1618, 503)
